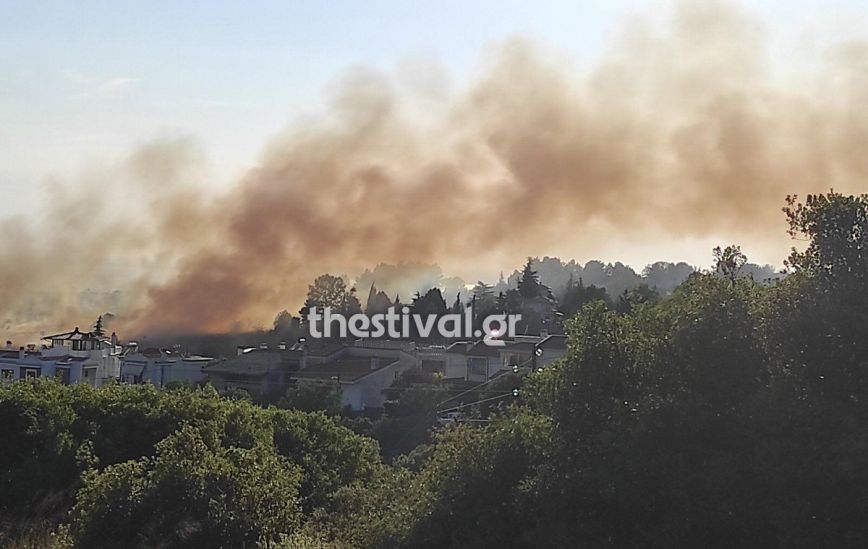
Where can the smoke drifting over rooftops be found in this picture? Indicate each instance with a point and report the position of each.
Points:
(680, 130)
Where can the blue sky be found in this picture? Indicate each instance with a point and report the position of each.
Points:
(84, 82)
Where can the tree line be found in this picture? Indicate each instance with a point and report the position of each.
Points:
(729, 413)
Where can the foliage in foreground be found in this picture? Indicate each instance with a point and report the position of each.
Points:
(125, 451)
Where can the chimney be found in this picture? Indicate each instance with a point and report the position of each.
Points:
(375, 362)
(282, 345)
(114, 339)
(8, 344)
(20, 353)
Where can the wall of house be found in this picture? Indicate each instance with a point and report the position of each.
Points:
(367, 392)
(224, 382)
(188, 371)
(351, 397)
(456, 366)
(98, 366)
(481, 368)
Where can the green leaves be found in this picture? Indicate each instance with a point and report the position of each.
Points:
(194, 493)
(173, 465)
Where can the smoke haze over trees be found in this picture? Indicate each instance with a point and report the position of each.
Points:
(729, 413)
(681, 130)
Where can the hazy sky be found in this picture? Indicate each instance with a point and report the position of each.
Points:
(338, 135)
(85, 82)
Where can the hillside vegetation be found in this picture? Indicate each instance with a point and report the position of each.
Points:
(730, 413)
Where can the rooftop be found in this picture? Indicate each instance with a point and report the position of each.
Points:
(345, 369)
(553, 342)
(527, 346)
(257, 362)
(76, 335)
(478, 348)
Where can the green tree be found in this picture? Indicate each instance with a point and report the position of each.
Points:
(283, 322)
(729, 261)
(577, 295)
(331, 291)
(837, 229)
(193, 493)
(484, 295)
(312, 396)
(98, 328)
(529, 284)
(637, 297)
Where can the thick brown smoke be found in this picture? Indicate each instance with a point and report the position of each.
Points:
(678, 131)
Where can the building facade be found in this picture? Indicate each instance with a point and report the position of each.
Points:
(70, 357)
(161, 367)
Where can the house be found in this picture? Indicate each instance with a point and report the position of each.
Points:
(476, 361)
(518, 352)
(472, 361)
(432, 358)
(363, 370)
(258, 371)
(162, 366)
(549, 349)
(71, 357)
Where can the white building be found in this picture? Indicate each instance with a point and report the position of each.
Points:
(160, 367)
(361, 368)
(363, 371)
(476, 361)
(71, 357)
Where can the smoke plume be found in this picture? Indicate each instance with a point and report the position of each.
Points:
(681, 130)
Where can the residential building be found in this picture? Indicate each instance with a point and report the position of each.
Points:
(472, 361)
(363, 370)
(71, 357)
(476, 361)
(432, 358)
(518, 352)
(257, 370)
(160, 367)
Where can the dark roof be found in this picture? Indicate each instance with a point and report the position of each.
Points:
(554, 342)
(458, 347)
(478, 348)
(256, 362)
(481, 349)
(325, 348)
(527, 346)
(151, 352)
(76, 335)
(345, 369)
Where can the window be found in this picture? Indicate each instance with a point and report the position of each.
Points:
(477, 367)
(7, 376)
(62, 375)
(29, 373)
(89, 376)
